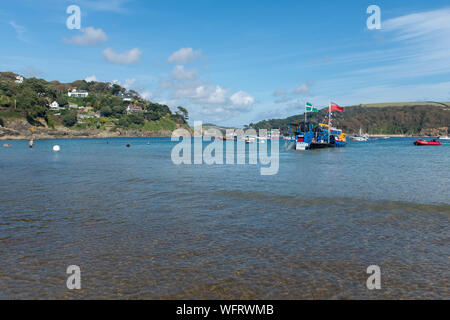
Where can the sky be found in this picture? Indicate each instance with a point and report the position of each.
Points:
(236, 62)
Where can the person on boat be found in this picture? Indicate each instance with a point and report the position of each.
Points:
(5, 145)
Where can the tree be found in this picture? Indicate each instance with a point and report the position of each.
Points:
(184, 113)
(62, 101)
(70, 118)
(136, 119)
(106, 111)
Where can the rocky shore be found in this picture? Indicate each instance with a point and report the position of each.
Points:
(21, 130)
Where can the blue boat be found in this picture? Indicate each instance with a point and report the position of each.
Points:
(308, 136)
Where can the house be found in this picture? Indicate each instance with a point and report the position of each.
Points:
(134, 109)
(54, 106)
(88, 115)
(19, 79)
(73, 106)
(125, 96)
(85, 109)
(74, 93)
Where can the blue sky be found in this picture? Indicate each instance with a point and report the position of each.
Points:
(236, 62)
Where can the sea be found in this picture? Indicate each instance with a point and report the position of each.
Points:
(139, 226)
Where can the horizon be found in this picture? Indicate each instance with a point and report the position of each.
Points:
(235, 63)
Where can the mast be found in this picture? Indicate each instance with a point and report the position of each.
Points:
(329, 122)
(305, 116)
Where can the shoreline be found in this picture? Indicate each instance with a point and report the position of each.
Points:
(26, 132)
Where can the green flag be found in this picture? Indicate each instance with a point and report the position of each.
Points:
(311, 108)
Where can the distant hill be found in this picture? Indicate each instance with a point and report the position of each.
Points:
(409, 118)
(207, 126)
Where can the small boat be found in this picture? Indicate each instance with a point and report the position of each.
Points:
(433, 142)
(248, 139)
(360, 137)
(446, 138)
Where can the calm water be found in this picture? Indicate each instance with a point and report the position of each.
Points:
(142, 228)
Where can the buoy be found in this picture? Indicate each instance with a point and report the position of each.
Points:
(56, 148)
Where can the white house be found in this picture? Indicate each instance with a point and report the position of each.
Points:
(89, 115)
(134, 109)
(73, 106)
(19, 79)
(125, 96)
(78, 93)
(54, 106)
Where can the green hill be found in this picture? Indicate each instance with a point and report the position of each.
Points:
(25, 105)
(412, 118)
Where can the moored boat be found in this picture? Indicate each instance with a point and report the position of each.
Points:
(433, 142)
(311, 136)
(360, 137)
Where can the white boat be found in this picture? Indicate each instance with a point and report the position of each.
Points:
(360, 137)
(446, 138)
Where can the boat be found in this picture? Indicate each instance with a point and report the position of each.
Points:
(309, 136)
(433, 142)
(446, 138)
(360, 137)
(248, 139)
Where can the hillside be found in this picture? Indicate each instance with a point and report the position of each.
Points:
(421, 118)
(41, 109)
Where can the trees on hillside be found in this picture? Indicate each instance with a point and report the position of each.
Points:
(32, 98)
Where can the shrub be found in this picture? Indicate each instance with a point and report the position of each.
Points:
(70, 118)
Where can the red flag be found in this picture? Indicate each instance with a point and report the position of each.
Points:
(335, 107)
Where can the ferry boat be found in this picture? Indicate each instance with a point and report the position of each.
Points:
(311, 136)
(308, 136)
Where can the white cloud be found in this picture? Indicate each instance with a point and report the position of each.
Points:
(203, 94)
(184, 56)
(424, 25)
(180, 73)
(419, 46)
(92, 78)
(129, 83)
(129, 57)
(147, 95)
(20, 31)
(242, 99)
(303, 89)
(89, 37)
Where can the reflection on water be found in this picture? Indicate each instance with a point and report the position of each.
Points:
(140, 227)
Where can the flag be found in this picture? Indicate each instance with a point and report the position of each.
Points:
(311, 108)
(335, 107)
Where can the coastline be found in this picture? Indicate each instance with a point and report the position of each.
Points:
(21, 131)
(395, 136)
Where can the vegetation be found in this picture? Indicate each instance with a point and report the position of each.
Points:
(404, 119)
(31, 100)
